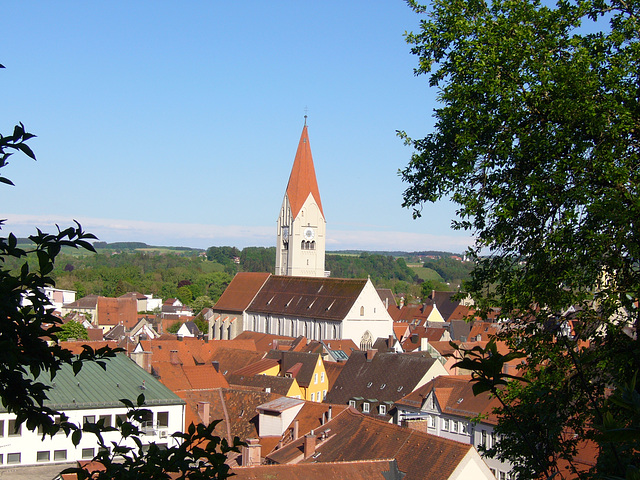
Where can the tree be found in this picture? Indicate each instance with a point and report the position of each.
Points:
(537, 139)
(72, 329)
(26, 328)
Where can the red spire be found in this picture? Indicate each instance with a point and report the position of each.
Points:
(302, 181)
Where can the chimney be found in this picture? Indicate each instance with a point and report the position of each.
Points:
(309, 446)
(386, 303)
(371, 353)
(216, 365)
(296, 427)
(204, 409)
(401, 302)
(329, 414)
(390, 342)
(174, 358)
(251, 453)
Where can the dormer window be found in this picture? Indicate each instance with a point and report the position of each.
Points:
(382, 410)
(365, 407)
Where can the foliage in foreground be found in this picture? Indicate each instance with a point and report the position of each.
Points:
(537, 140)
(25, 353)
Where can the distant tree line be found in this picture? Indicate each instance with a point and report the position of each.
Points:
(451, 270)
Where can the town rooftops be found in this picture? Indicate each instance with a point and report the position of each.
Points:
(352, 436)
(95, 387)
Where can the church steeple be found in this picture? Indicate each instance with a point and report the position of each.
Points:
(300, 246)
(302, 181)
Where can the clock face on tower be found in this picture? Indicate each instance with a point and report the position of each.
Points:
(308, 233)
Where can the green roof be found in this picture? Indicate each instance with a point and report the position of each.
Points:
(94, 387)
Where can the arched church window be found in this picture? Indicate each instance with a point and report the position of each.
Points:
(362, 311)
(303, 245)
(312, 246)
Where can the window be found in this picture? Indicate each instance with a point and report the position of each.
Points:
(431, 421)
(313, 397)
(1, 428)
(324, 395)
(483, 438)
(106, 419)
(362, 311)
(454, 426)
(12, 430)
(492, 438)
(445, 424)
(1, 458)
(13, 458)
(43, 456)
(88, 453)
(365, 407)
(464, 427)
(503, 475)
(315, 378)
(352, 403)
(163, 419)
(88, 419)
(382, 410)
(321, 377)
(59, 455)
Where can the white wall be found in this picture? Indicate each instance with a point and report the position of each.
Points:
(29, 443)
(376, 319)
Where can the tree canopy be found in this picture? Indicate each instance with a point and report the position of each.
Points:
(537, 139)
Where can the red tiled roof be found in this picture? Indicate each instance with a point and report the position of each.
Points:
(241, 291)
(114, 311)
(352, 436)
(302, 181)
(358, 470)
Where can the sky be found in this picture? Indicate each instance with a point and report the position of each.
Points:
(176, 123)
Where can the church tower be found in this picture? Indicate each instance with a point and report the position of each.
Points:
(300, 245)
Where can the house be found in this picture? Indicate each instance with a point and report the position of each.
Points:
(308, 370)
(59, 297)
(93, 394)
(189, 329)
(447, 407)
(351, 436)
(105, 312)
(285, 386)
(371, 382)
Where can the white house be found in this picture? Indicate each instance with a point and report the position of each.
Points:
(92, 395)
(445, 407)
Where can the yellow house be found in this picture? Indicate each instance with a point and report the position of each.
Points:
(264, 374)
(308, 371)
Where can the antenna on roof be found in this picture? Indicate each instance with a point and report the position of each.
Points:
(306, 110)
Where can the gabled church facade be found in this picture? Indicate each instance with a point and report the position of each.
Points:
(300, 245)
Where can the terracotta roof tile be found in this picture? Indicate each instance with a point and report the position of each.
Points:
(241, 291)
(358, 470)
(352, 436)
(114, 311)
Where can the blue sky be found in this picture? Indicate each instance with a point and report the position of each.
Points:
(176, 123)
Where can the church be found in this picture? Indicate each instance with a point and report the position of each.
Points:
(301, 298)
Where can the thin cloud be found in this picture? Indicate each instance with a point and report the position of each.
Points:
(206, 235)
